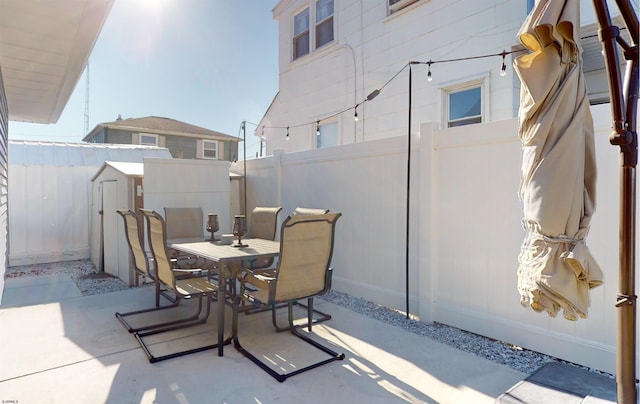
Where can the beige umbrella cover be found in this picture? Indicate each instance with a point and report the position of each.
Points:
(556, 269)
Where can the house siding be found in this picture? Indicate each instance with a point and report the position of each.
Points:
(187, 146)
(183, 147)
(370, 48)
(116, 136)
(4, 189)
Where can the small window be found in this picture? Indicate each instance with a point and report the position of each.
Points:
(209, 149)
(324, 22)
(148, 139)
(464, 106)
(327, 135)
(397, 5)
(301, 34)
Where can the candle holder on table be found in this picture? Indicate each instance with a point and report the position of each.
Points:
(239, 230)
(213, 226)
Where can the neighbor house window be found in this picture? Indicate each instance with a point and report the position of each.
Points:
(324, 22)
(209, 149)
(397, 5)
(301, 34)
(464, 105)
(327, 135)
(148, 139)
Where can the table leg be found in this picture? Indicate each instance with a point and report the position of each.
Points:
(222, 291)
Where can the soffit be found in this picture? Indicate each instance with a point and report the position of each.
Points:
(44, 47)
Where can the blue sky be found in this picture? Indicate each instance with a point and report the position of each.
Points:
(211, 63)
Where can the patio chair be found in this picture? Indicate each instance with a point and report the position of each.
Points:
(185, 288)
(263, 224)
(271, 272)
(183, 223)
(309, 211)
(143, 265)
(306, 247)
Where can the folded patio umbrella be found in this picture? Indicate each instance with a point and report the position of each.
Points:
(556, 269)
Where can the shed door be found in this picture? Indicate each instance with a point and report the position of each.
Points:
(110, 251)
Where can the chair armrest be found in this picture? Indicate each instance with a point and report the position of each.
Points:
(264, 278)
(327, 282)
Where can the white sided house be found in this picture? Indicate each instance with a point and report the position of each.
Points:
(334, 55)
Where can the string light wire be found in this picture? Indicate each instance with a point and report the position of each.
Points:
(376, 92)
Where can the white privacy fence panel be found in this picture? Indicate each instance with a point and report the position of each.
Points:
(176, 183)
(50, 199)
(367, 183)
(476, 217)
(465, 230)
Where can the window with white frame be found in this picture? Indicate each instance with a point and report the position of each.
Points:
(327, 135)
(464, 105)
(209, 149)
(324, 22)
(397, 5)
(148, 139)
(301, 34)
(306, 40)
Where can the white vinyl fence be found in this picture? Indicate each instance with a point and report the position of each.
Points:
(50, 203)
(464, 230)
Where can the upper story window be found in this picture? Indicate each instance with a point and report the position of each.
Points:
(323, 32)
(397, 5)
(464, 105)
(301, 34)
(148, 139)
(324, 22)
(209, 149)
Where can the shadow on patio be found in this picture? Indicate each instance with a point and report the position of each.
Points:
(75, 349)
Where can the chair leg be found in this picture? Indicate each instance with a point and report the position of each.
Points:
(185, 324)
(130, 328)
(174, 302)
(310, 320)
(281, 377)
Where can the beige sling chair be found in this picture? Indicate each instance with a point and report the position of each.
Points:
(271, 271)
(183, 223)
(263, 224)
(143, 265)
(184, 288)
(306, 247)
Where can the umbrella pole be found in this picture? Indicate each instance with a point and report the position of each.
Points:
(624, 108)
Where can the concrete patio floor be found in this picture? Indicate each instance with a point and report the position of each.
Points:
(71, 348)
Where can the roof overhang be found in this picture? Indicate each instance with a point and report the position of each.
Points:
(44, 47)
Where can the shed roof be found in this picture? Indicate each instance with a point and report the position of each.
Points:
(127, 168)
(24, 152)
(160, 125)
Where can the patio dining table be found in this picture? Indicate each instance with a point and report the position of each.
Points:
(230, 261)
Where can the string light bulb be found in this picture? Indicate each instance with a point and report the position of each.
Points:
(318, 128)
(503, 68)
(355, 114)
(287, 133)
(429, 77)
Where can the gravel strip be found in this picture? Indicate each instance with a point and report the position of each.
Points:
(82, 272)
(504, 353)
(90, 282)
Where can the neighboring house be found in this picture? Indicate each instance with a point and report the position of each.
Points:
(184, 141)
(333, 54)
